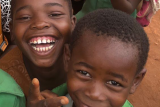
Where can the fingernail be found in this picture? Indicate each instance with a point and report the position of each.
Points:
(63, 101)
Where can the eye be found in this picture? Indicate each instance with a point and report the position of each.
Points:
(55, 15)
(114, 83)
(84, 73)
(24, 18)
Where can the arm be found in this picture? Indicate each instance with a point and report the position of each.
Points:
(127, 6)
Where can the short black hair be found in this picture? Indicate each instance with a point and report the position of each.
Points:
(115, 24)
(13, 2)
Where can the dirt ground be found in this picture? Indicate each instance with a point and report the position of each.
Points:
(148, 93)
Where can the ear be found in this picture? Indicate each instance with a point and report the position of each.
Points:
(66, 57)
(74, 20)
(138, 78)
(11, 31)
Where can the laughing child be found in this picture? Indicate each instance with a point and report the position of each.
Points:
(40, 28)
(105, 59)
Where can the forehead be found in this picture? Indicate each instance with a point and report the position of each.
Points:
(38, 4)
(110, 52)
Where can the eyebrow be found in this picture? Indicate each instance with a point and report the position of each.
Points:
(84, 64)
(46, 5)
(53, 4)
(23, 7)
(118, 76)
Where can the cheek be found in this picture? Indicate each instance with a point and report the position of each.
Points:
(73, 83)
(66, 29)
(19, 31)
(118, 99)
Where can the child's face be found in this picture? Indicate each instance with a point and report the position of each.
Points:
(101, 72)
(40, 29)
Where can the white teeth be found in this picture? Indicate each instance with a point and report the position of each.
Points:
(35, 42)
(46, 48)
(43, 49)
(44, 41)
(39, 41)
(40, 49)
(53, 40)
(48, 41)
(37, 49)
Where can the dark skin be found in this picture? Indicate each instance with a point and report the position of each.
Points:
(40, 29)
(101, 71)
(92, 80)
(45, 98)
(46, 20)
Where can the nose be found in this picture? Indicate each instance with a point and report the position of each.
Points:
(95, 92)
(39, 25)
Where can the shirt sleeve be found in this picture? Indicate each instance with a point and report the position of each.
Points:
(10, 100)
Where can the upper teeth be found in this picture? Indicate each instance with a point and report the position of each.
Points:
(39, 41)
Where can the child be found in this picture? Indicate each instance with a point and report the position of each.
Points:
(40, 28)
(128, 6)
(105, 59)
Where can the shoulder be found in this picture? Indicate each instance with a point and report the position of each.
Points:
(8, 85)
(10, 92)
(61, 90)
(11, 59)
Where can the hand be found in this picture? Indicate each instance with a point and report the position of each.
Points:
(45, 98)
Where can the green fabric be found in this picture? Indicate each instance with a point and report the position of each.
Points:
(91, 5)
(11, 94)
(62, 90)
(127, 104)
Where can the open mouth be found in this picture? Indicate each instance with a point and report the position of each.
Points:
(42, 44)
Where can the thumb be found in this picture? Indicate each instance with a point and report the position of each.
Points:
(34, 92)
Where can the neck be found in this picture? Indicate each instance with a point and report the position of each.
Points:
(49, 77)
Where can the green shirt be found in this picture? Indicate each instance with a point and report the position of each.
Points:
(11, 94)
(91, 5)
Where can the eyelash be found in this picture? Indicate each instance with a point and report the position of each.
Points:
(24, 18)
(55, 14)
(114, 83)
(84, 73)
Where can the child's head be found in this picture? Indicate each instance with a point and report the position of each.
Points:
(41, 27)
(105, 59)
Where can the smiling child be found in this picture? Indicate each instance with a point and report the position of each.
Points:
(105, 59)
(40, 28)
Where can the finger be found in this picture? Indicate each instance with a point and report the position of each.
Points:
(35, 90)
(48, 94)
(53, 102)
(64, 100)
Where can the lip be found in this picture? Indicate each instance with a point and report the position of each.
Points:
(42, 53)
(41, 35)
